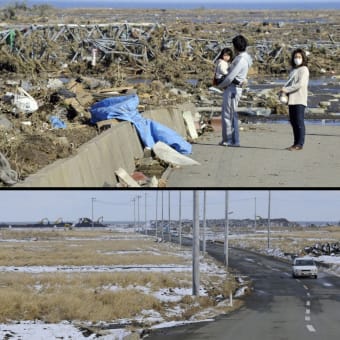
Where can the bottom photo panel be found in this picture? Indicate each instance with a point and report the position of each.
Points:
(169, 264)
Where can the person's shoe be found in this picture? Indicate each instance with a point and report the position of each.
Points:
(223, 143)
(295, 147)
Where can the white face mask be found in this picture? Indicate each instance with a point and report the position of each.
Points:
(298, 61)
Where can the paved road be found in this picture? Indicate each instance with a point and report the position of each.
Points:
(280, 307)
(262, 160)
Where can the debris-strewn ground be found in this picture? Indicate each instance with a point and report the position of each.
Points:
(166, 56)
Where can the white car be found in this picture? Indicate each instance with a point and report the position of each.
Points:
(304, 266)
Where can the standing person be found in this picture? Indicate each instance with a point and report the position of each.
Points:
(297, 91)
(232, 86)
(222, 64)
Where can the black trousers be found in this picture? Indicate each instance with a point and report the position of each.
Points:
(297, 120)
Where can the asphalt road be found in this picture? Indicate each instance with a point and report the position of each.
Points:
(279, 307)
(262, 160)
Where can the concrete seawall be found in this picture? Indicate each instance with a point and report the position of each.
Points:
(95, 161)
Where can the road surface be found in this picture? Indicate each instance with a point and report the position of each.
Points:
(279, 308)
(262, 160)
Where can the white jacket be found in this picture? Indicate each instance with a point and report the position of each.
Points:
(297, 88)
(221, 68)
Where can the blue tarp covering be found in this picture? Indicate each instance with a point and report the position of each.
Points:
(150, 132)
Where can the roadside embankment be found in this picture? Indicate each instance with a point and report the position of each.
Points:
(96, 161)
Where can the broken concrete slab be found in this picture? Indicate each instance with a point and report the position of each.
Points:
(189, 122)
(171, 156)
(125, 178)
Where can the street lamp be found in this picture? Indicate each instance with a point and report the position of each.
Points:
(138, 198)
(180, 218)
(268, 234)
(195, 245)
(169, 205)
(226, 228)
(92, 199)
(204, 220)
(156, 226)
(145, 228)
(134, 213)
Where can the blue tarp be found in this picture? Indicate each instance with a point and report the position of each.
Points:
(57, 123)
(150, 132)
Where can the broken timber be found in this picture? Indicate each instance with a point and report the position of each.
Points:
(124, 42)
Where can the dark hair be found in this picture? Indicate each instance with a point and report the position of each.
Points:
(304, 58)
(226, 51)
(240, 43)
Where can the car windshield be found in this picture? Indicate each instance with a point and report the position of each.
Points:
(304, 263)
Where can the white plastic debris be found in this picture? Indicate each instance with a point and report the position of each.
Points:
(24, 102)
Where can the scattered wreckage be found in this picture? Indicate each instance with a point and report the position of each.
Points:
(323, 249)
(71, 66)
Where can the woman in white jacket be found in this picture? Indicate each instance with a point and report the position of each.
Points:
(297, 91)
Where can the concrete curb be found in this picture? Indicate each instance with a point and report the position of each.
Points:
(95, 161)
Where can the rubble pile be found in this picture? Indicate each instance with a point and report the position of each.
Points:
(66, 60)
(323, 249)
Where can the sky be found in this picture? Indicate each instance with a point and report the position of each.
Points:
(117, 205)
(164, 2)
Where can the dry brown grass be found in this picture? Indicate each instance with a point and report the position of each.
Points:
(81, 248)
(95, 296)
(53, 298)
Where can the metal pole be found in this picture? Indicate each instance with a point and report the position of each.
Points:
(204, 220)
(134, 213)
(180, 218)
(138, 215)
(145, 225)
(169, 217)
(156, 225)
(255, 216)
(226, 229)
(92, 199)
(195, 246)
(162, 233)
(268, 236)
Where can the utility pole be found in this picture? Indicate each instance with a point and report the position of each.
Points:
(138, 215)
(145, 225)
(195, 246)
(169, 216)
(204, 220)
(156, 225)
(92, 199)
(134, 213)
(268, 243)
(255, 215)
(226, 229)
(180, 218)
(162, 231)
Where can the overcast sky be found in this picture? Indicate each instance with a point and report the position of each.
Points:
(117, 205)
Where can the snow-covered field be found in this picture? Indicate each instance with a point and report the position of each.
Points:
(117, 329)
(36, 330)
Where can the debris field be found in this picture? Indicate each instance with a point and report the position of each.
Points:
(66, 60)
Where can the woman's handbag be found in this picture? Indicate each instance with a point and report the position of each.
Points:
(283, 97)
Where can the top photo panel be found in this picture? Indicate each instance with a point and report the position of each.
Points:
(169, 95)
